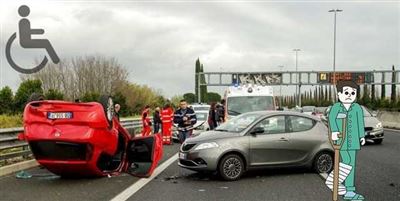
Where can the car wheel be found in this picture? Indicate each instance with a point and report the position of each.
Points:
(231, 167)
(378, 141)
(323, 163)
(108, 107)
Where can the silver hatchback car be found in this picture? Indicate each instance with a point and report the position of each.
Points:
(259, 139)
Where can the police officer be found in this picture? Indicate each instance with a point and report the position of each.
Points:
(185, 118)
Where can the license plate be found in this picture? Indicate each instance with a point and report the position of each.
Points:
(182, 156)
(59, 115)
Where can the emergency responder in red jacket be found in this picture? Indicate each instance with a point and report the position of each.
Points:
(146, 121)
(167, 116)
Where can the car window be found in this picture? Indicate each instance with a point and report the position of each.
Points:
(273, 125)
(298, 124)
(201, 116)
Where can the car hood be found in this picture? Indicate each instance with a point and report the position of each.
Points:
(211, 135)
(370, 121)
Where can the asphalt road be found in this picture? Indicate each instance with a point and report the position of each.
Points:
(49, 187)
(378, 179)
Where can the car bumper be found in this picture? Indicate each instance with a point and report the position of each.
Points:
(374, 134)
(203, 160)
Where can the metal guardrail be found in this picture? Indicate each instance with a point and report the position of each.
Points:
(12, 148)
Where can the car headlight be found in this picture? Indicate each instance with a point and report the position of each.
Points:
(207, 145)
(378, 125)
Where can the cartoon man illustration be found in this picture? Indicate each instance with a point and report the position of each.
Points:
(346, 123)
(26, 32)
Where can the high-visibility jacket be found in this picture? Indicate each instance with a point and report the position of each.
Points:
(146, 121)
(167, 115)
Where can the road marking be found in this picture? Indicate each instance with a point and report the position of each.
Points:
(128, 192)
(323, 175)
(394, 130)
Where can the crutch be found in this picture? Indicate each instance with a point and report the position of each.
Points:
(336, 146)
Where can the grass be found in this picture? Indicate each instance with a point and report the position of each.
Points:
(7, 121)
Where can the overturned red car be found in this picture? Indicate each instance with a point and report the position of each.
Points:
(86, 139)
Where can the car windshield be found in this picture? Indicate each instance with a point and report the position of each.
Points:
(201, 116)
(243, 104)
(238, 123)
(366, 112)
(308, 109)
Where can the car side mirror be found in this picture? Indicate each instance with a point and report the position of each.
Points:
(257, 130)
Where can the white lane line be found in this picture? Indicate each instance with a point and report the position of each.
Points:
(128, 192)
(394, 130)
(323, 175)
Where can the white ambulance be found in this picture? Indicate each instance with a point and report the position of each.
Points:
(248, 98)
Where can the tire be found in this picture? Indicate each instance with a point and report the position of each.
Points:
(323, 162)
(108, 107)
(378, 141)
(231, 167)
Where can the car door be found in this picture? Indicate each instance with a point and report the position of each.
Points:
(143, 155)
(303, 138)
(270, 147)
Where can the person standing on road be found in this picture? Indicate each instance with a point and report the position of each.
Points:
(156, 120)
(117, 108)
(354, 133)
(212, 116)
(167, 114)
(220, 112)
(185, 118)
(146, 121)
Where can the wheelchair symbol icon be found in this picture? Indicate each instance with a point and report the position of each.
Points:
(26, 41)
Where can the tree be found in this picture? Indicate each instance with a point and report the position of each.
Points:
(383, 87)
(25, 90)
(393, 95)
(373, 93)
(90, 97)
(203, 88)
(196, 84)
(6, 100)
(189, 97)
(213, 97)
(119, 98)
(175, 100)
(54, 94)
(138, 96)
(77, 76)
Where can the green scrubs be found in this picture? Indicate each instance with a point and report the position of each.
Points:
(354, 132)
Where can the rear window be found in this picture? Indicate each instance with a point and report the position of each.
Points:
(298, 124)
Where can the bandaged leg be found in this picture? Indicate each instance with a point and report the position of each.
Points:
(344, 171)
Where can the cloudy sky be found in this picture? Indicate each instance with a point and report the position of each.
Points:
(159, 41)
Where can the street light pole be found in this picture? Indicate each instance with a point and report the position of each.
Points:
(297, 84)
(334, 43)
